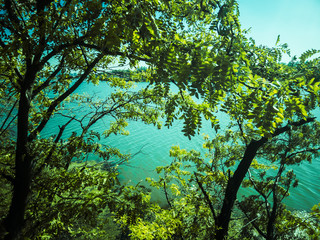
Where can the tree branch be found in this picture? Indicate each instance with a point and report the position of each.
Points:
(206, 196)
(238, 176)
(47, 82)
(166, 194)
(16, 70)
(260, 192)
(244, 211)
(8, 116)
(62, 97)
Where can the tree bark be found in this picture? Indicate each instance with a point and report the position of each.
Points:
(14, 222)
(223, 219)
(21, 186)
(233, 186)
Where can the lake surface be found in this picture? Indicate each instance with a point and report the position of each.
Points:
(153, 146)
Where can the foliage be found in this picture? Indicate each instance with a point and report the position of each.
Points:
(272, 127)
(48, 49)
(51, 48)
(76, 198)
(195, 186)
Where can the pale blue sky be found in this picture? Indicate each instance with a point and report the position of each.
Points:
(296, 21)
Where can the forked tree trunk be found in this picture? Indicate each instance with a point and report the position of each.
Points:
(235, 181)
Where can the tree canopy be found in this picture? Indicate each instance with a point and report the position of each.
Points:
(50, 48)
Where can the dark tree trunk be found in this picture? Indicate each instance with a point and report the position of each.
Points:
(235, 181)
(233, 186)
(21, 187)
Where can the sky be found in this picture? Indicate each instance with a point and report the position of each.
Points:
(296, 21)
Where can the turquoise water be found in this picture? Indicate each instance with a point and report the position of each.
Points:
(153, 145)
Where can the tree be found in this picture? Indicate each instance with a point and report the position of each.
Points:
(49, 48)
(272, 127)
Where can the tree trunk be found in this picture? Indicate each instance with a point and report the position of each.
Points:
(234, 183)
(21, 187)
(233, 186)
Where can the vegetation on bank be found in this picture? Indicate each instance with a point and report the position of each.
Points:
(50, 48)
